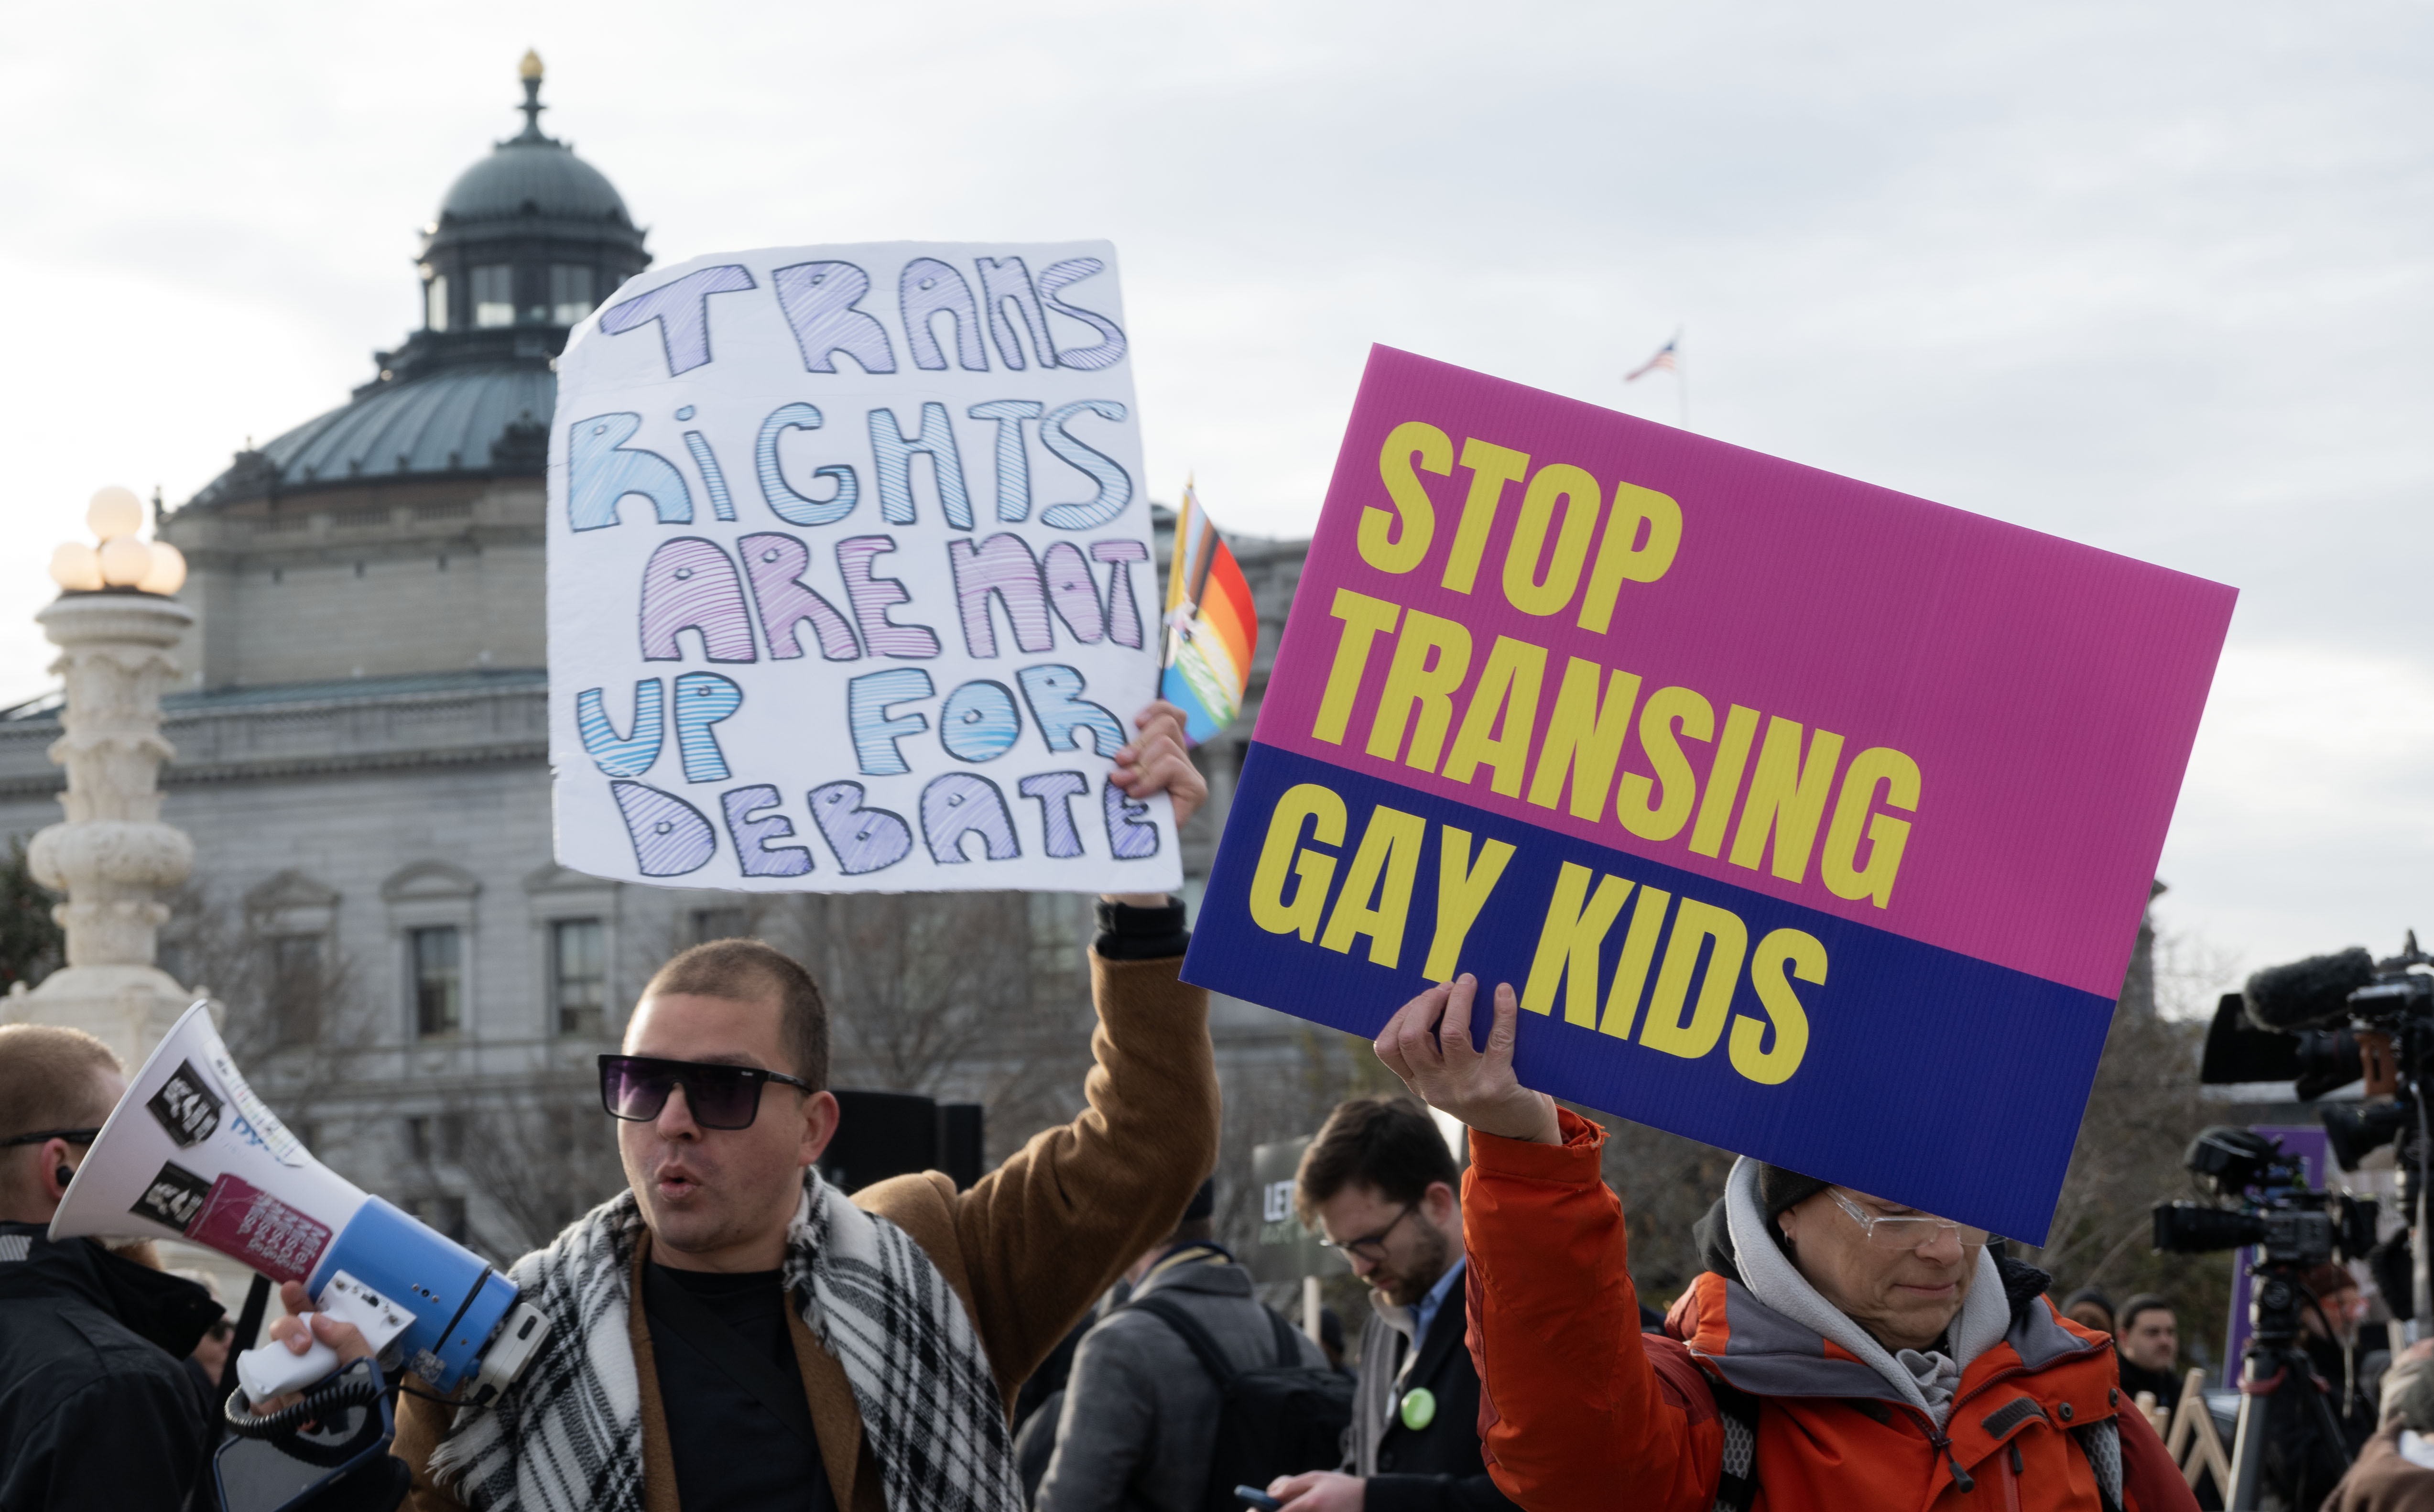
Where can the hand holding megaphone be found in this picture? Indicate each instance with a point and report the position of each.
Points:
(315, 1345)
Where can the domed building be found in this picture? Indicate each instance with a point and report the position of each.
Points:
(418, 500)
(361, 758)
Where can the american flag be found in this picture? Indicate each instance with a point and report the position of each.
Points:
(1663, 362)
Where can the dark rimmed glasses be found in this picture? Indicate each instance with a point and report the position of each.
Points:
(74, 1136)
(635, 1088)
(1371, 1247)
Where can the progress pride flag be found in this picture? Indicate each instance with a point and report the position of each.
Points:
(1809, 819)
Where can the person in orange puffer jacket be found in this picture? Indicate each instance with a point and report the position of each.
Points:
(1840, 1352)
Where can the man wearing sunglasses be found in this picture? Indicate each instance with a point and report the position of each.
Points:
(731, 1333)
(1840, 1350)
(96, 1406)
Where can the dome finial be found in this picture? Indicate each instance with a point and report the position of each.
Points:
(530, 72)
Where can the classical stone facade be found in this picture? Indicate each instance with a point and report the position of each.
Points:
(361, 739)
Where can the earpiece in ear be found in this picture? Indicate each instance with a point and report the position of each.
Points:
(65, 1174)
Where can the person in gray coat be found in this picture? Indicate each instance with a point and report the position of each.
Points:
(1138, 1427)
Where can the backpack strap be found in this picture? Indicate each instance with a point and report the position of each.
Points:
(1288, 1338)
(1736, 1486)
(1211, 1358)
(2101, 1443)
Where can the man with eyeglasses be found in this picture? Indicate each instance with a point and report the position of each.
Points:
(731, 1334)
(96, 1406)
(1380, 1183)
(1841, 1350)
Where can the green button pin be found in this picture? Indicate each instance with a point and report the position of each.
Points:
(1419, 1408)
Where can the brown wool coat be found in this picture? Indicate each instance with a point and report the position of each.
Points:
(2382, 1481)
(1028, 1248)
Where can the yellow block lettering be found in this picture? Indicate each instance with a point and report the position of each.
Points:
(1694, 924)
(1622, 557)
(1463, 886)
(1631, 973)
(1584, 738)
(1663, 818)
(1786, 797)
(1491, 468)
(1432, 657)
(1383, 872)
(1581, 496)
(1724, 779)
(1282, 855)
(1365, 619)
(1508, 686)
(1806, 959)
(1839, 865)
(1569, 944)
(1381, 546)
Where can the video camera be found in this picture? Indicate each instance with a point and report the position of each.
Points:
(2323, 1023)
(2295, 1225)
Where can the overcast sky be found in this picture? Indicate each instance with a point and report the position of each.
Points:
(2151, 277)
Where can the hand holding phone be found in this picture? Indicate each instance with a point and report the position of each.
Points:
(1253, 1496)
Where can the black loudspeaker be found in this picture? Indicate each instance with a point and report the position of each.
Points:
(960, 1141)
(883, 1134)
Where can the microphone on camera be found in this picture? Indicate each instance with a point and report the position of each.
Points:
(2304, 994)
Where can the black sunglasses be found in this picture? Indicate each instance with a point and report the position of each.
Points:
(635, 1088)
(74, 1136)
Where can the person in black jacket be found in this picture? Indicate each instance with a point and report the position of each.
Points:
(2150, 1346)
(1380, 1182)
(95, 1407)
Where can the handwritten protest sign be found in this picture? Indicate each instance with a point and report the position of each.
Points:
(849, 575)
(1806, 819)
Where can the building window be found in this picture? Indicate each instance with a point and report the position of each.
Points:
(438, 979)
(494, 295)
(436, 1137)
(436, 298)
(579, 974)
(570, 293)
(719, 923)
(447, 1215)
(296, 984)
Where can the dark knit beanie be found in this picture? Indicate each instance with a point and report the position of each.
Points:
(1778, 1189)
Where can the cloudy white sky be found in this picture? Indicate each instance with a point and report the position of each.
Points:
(2154, 277)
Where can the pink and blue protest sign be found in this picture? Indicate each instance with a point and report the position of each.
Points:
(1808, 818)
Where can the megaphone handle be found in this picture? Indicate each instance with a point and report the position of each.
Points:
(273, 1371)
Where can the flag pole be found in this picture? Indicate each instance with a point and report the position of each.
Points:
(1681, 378)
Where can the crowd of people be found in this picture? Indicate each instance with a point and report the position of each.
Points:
(1068, 1336)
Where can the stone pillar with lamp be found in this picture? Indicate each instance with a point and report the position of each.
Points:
(116, 624)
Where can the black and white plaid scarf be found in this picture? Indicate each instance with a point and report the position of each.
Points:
(568, 1436)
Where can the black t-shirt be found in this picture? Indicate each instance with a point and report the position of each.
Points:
(732, 1455)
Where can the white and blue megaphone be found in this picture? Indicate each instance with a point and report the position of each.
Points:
(191, 1153)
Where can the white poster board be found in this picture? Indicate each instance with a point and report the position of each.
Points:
(850, 575)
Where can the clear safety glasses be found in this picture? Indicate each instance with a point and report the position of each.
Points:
(1910, 1230)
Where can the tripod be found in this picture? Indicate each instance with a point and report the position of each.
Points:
(2277, 1386)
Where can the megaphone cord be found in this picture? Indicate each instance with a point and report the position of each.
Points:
(471, 1293)
(321, 1401)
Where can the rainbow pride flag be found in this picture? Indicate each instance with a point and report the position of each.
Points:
(1212, 626)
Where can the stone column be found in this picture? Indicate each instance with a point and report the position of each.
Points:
(113, 856)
